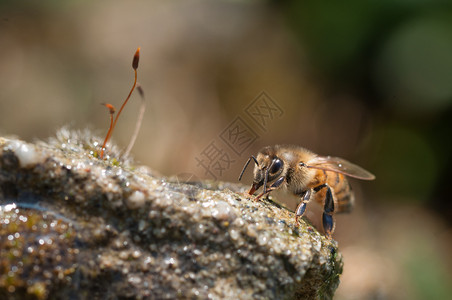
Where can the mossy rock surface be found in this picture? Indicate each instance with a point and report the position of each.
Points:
(73, 226)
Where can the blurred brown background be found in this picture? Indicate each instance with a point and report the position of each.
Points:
(368, 81)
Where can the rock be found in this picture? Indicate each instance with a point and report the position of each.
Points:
(74, 226)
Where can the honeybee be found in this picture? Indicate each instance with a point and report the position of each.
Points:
(307, 175)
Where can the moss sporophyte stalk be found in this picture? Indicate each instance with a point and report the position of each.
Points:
(111, 108)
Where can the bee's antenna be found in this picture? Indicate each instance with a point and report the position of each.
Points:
(246, 165)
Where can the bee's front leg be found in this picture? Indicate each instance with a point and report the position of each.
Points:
(274, 186)
(305, 197)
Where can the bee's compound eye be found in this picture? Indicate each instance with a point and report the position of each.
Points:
(276, 166)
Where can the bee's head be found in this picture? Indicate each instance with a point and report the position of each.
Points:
(268, 167)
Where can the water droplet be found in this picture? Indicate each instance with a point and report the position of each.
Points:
(262, 239)
(234, 234)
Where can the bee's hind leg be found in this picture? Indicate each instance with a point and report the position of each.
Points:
(328, 211)
(305, 197)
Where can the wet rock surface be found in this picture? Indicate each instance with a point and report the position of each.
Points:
(76, 227)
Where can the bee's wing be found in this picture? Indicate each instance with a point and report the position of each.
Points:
(340, 165)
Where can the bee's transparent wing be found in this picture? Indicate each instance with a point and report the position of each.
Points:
(340, 165)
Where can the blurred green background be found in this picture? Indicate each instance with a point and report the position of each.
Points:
(370, 81)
